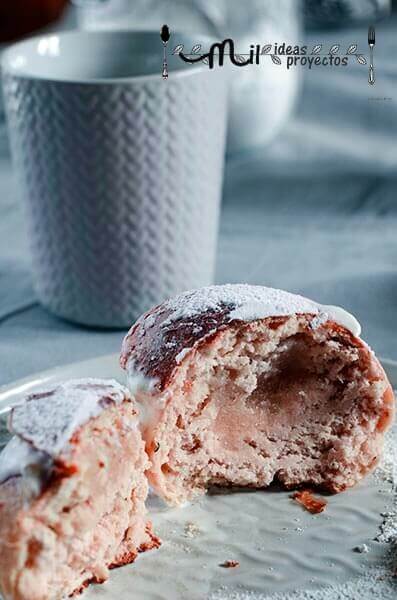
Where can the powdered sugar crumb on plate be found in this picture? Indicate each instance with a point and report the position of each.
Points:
(387, 471)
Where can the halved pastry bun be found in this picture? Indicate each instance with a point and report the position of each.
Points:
(72, 490)
(245, 385)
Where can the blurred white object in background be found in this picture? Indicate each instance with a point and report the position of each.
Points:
(322, 13)
(262, 97)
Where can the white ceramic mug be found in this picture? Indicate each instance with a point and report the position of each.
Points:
(121, 171)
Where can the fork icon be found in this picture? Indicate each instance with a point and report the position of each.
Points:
(371, 44)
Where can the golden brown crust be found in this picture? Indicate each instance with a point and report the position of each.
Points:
(154, 542)
(85, 585)
(129, 556)
(126, 558)
(154, 349)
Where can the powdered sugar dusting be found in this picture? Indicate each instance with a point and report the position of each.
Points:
(47, 420)
(246, 302)
(319, 320)
(251, 302)
(137, 381)
(376, 584)
(181, 355)
(387, 471)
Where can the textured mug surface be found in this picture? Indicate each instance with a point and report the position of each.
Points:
(120, 171)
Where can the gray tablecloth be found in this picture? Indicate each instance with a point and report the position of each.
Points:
(316, 212)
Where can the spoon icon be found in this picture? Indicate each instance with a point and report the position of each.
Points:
(165, 36)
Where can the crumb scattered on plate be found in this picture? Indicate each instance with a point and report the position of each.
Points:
(311, 503)
(362, 549)
(191, 529)
(230, 564)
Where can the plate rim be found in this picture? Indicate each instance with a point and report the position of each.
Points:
(38, 379)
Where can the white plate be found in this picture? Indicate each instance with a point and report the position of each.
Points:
(280, 547)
